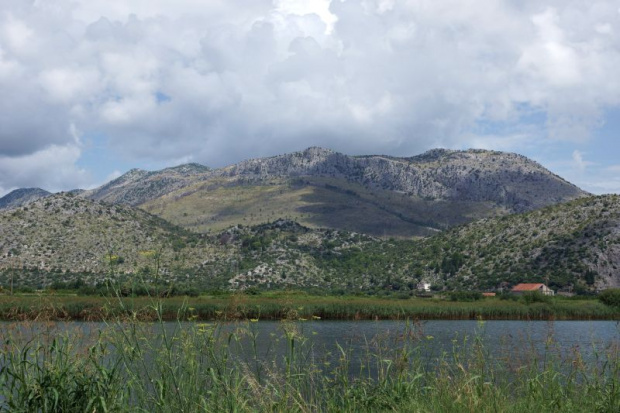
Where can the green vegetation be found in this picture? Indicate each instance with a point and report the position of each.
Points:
(611, 297)
(571, 246)
(277, 306)
(142, 367)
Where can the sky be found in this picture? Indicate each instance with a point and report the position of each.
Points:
(92, 88)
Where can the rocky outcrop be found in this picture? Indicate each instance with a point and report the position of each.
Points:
(63, 232)
(138, 186)
(510, 180)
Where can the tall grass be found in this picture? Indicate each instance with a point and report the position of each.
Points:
(132, 366)
(44, 370)
(240, 307)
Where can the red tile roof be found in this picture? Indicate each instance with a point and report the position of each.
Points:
(527, 287)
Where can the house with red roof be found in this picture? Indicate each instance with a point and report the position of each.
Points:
(531, 288)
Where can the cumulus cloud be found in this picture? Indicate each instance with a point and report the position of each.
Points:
(219, 81)
(53, 168)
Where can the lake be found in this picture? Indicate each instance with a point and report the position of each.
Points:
(326, 340)
(318, 365)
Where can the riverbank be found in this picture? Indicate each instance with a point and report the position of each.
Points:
(283, 305)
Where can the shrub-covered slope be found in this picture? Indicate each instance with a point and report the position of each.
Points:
(65, 233)
(576, 245)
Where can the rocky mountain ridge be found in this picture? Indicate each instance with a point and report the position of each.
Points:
(508, 179)
(374, 194)
(511, 180)
(137, 186)
(322, 188)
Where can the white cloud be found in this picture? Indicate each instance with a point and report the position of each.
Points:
(579, 162)
(218, 81)
(53, 169)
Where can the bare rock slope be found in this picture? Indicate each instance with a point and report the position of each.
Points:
(379, 195)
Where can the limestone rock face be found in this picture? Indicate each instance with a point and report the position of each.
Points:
(138, 186)
(376, 194)
(510, 180)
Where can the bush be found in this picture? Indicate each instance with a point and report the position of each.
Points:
(508, 297)
(465, 296)
(536, 297)
(610, 297)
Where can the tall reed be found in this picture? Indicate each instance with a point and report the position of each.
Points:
(222, 366)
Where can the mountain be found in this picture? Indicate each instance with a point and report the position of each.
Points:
(510, 180)
(138, 186)
(63, 238)
(22, 196)
(64, 233)
(572, 245)
(378, 195)
(575, 243)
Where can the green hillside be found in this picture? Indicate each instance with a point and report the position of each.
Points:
(64, 238)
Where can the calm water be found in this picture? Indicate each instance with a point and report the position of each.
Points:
(434, 339)
(437, 339)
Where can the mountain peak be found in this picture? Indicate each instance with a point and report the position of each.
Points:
(21, 197)
(317, 151)
(188, 168)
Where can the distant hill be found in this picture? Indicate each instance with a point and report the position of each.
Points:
(22, 196)
(378, 195)
(575, 244)
(63, 233)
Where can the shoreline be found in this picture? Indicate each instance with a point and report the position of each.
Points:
(292, 307)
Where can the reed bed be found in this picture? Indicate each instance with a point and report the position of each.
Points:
(243, 307)
(132, 366)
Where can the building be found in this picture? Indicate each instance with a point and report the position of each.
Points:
(424, 286)
(531, 288)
